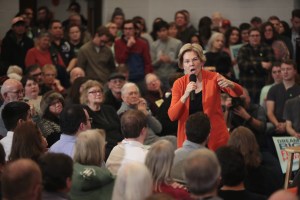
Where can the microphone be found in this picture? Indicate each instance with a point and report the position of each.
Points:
(194, 79)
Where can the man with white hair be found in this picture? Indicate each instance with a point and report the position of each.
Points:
(132, 100)
(11, 90)
(202, 171)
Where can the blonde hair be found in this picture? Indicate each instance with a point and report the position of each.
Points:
(190, 47)
(159, 161)
(212, 39)
(14, 69)
(134, 182)
(84, 90)
(245, 142)
(89, 147)
(49, 67)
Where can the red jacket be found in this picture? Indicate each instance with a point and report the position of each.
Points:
(211, 101)
(136, 57)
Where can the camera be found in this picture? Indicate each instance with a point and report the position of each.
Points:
(236, 102)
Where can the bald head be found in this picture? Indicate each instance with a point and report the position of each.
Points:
(283, 194)
(22, 179)
(75, 73)
(12, 90)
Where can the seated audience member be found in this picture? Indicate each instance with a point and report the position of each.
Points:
(2, 164)
(50, 82)
(14, 72)
(168, 127)
(91, 180)
(13, 114)
(35, 72)
(202, 171)
(132, 100)
(264, 175)
(74, 91)
(131, 149)
(159, 161)
(75, 73)
(233, 172)
(11, 90)
(57, 170)
(113, 95)
(134, 182)
(21, 179)
(274, 78)
(74, 37)
(104, 117)
(52, 104)
(283, 194)
(242, 112)
(73, 120)
(28, 142)
(291, 115)
(197, 131)
(154, 93)
(31, 93)
(279, 94)
(164, 52)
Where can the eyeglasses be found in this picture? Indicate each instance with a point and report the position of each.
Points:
(95, 92)
(196, 59)
(38, 74)
(17, 91)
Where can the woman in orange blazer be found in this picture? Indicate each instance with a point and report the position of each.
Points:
(208, 87)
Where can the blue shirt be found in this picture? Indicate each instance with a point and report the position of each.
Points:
(64, 145)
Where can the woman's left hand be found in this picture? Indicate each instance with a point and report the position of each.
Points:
(224, 83)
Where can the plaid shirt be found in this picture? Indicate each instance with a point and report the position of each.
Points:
(252, 75)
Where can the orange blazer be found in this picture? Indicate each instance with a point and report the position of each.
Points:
(211, 101)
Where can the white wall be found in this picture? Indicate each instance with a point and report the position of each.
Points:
(237, 11)
(8, 9)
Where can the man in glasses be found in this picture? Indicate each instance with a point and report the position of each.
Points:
(11, 90)
(95, 58)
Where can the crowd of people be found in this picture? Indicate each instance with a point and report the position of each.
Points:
(177, 112)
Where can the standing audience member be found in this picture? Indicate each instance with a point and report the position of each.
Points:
(74, 36)
(118, 17)
(104, 117)
(207, 87)
(185, 31)
(204, 30)
(244, 28)
(134, 182)
(91, 180)
(131, 149)
(28, 142)
(73, 120)
(15, 44)
(13, 113)
(11, 90)
(295, 35)
(233, 172)
(40, 54)
(217, 58)
(279, 94)
(254, 61)
(197, 132)
(113, 95)
(164, 53)
(95, 58)
(159, 161)
(264, 175)
(202, 171)
(22, 179)
(134, 52)
(57, 170)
